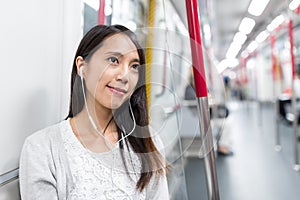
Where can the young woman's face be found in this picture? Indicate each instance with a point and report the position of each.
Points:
(112, 72)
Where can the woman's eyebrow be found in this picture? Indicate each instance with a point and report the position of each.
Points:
(118, 54)
(135, 60)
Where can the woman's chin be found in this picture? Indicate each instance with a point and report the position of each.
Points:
(114, 105)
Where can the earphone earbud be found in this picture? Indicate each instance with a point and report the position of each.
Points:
(81, 72)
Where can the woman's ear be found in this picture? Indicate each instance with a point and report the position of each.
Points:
(80, 65)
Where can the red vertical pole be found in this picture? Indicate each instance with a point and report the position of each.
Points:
(196, 46)
(295, 111)
(273, 40)
(101, 14)
(292, 48)
(201, 93)
(274, 76)
(243, 70)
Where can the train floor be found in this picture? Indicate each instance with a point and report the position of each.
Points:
(255, 170)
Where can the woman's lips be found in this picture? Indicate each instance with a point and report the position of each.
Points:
(117, 90)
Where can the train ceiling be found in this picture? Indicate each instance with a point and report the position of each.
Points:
(226, 16)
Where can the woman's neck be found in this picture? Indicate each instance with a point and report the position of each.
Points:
(100, 118)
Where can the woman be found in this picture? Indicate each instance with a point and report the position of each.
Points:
(103, 150)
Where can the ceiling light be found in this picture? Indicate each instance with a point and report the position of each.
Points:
(275, 23)
(252, 46)
(262, 36)
(239, 38)
(221, 67)
(233, 62)
(257, 7)
(246, 25)
(229, 62)
(233, 50)
(294, 4)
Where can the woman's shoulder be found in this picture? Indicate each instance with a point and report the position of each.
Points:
(45, 135)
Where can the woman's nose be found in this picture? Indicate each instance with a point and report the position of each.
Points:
(122, 74)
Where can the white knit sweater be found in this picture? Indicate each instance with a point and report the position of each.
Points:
(54, 165)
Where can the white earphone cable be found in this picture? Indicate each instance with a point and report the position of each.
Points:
(92, 121)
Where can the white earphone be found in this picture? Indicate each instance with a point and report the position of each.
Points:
(81, 71)
(90, 117)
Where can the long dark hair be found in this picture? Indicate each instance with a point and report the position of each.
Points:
(140, 141)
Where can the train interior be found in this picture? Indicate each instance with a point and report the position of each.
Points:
(251, 58)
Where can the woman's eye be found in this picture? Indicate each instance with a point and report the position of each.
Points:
(113, 60)
(135, 66)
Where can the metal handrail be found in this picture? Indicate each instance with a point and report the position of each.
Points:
(8, 177)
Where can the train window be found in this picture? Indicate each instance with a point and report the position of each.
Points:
(115, 13)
